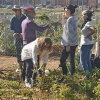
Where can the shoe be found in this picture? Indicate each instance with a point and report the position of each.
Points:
(28, 83)
(18, 70)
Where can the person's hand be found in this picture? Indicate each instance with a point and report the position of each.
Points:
(67, 48)
(89, 37)
(63, 16)
(44, 65)
(15, 35)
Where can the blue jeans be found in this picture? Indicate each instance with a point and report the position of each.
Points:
(85, 57)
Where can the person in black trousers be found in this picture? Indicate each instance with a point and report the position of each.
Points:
(69, 39)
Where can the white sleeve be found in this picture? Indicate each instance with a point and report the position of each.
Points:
(45, 57)
(89, 24)
(34, 54)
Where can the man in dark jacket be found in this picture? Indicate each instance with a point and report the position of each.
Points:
(15, 26)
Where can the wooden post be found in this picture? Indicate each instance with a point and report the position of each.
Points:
(97, 49)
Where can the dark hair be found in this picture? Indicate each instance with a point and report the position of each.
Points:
(71, 8)
(89, 14)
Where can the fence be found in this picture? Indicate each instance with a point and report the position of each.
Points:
(7, 40)
(55, 33)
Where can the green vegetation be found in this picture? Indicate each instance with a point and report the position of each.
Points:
(73, 88)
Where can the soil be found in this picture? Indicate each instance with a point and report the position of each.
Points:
(8, 62)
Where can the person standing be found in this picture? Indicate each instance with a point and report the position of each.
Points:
(29, 27)
(69, 39)
(15, 26)
(86, 41)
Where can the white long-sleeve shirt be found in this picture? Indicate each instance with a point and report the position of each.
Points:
(30, 51)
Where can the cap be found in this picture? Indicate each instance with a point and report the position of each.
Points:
(29, 9)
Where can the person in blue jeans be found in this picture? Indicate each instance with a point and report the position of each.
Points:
(87, 42)
(15, 26)
(69, 39)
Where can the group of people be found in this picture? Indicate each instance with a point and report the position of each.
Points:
(30, 49)
(24, 30)
(70, 40)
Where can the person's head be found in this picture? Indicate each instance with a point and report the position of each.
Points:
(87, 14)
(44, 43)
(69, 10)
(30, 12)
(17, 10)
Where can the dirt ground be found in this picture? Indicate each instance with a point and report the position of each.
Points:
(8, 62)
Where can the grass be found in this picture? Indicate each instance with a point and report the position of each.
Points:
(4, 10)
(73, 88)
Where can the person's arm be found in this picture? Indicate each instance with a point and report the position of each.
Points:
(92, 31)
(63, 19)
(39, 28)
(34, 56)
(12, 26)
(70, 32)
(12, 29)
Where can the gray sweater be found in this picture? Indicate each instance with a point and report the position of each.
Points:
(70, 34)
